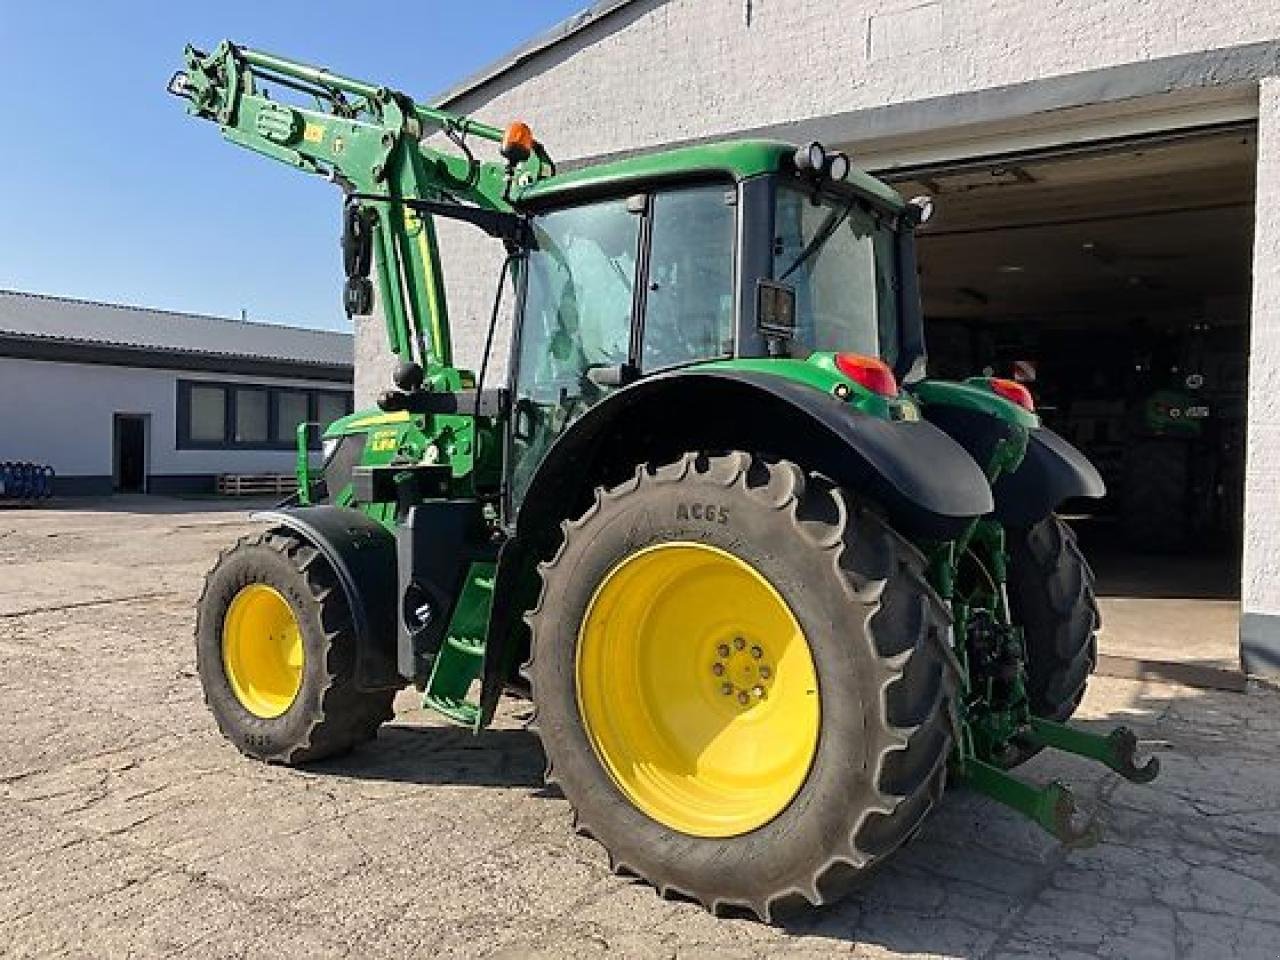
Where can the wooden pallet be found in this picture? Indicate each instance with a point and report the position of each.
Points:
(256, 484)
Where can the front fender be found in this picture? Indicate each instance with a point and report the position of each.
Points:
(362, 554)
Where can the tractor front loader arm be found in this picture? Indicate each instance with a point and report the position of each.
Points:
(369, 139)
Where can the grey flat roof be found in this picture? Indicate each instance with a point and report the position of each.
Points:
(48, 318)
(531, 49)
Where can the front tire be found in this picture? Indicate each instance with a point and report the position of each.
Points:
(275, 652)
(782, 790)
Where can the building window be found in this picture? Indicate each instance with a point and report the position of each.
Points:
(225, 416)
(291, 410)
(331, 406)
(251, 416)
(208, 414)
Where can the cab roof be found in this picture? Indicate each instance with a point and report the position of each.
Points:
(734, 159)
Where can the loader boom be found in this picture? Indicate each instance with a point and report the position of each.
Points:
(370, 140)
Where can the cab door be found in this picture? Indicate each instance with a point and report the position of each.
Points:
(687, 302)
(575, 333)
(616, 289)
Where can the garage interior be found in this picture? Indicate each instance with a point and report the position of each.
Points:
(1114, 278)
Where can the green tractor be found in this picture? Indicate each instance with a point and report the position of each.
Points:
(768, 587)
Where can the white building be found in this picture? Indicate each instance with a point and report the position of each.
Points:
(119, 398)
(1108, 182)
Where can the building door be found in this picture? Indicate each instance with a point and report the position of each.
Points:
(130, 461)
(1115, 281)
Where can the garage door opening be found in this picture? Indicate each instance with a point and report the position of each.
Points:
(1115, 281)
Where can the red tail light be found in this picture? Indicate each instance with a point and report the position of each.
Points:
(1013, 390)
(871, 373)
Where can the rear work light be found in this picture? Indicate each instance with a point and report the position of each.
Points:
(871, 373)
(1014, 391)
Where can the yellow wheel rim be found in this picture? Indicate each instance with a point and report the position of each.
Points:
(262, 650)
(697, 689)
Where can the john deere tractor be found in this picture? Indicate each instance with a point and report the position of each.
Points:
(769, 587)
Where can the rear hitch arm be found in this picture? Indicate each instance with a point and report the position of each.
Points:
(1118, 749)
(1052, 806)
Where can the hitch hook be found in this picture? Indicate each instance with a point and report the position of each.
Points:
(1118, 750)
(1053, 806)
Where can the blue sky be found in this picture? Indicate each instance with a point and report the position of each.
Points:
(109, 191)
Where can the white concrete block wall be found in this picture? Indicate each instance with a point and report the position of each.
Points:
(471, 263)
(73, 432)
(1261, 562)
(689, 68)
(658, 72)
(375, 363)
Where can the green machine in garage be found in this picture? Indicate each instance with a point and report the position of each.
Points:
(768, 587)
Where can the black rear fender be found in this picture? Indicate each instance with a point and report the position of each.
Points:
(924, 481)
(1051, 473)
(921, 478)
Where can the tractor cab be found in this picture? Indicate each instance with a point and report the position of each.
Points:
(742, 250)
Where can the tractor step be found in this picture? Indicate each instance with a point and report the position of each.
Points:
(457, 666)
(1053, 806)
(461, 658)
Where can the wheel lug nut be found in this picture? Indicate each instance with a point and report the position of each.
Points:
(758, 692)
(743, 698)
(718, 669)
(726, 688)
(765, 673)
(739, 642)
(723, 649)
(757, 652)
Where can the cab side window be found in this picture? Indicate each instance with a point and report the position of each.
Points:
(688, 312)
(576, 318)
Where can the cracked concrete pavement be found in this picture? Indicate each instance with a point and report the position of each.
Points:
(128, 827)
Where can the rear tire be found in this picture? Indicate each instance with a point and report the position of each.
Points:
(876, 635)
(326, 714)
(1052, 598)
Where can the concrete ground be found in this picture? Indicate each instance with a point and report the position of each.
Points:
(1179, 609)
(128, 827)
